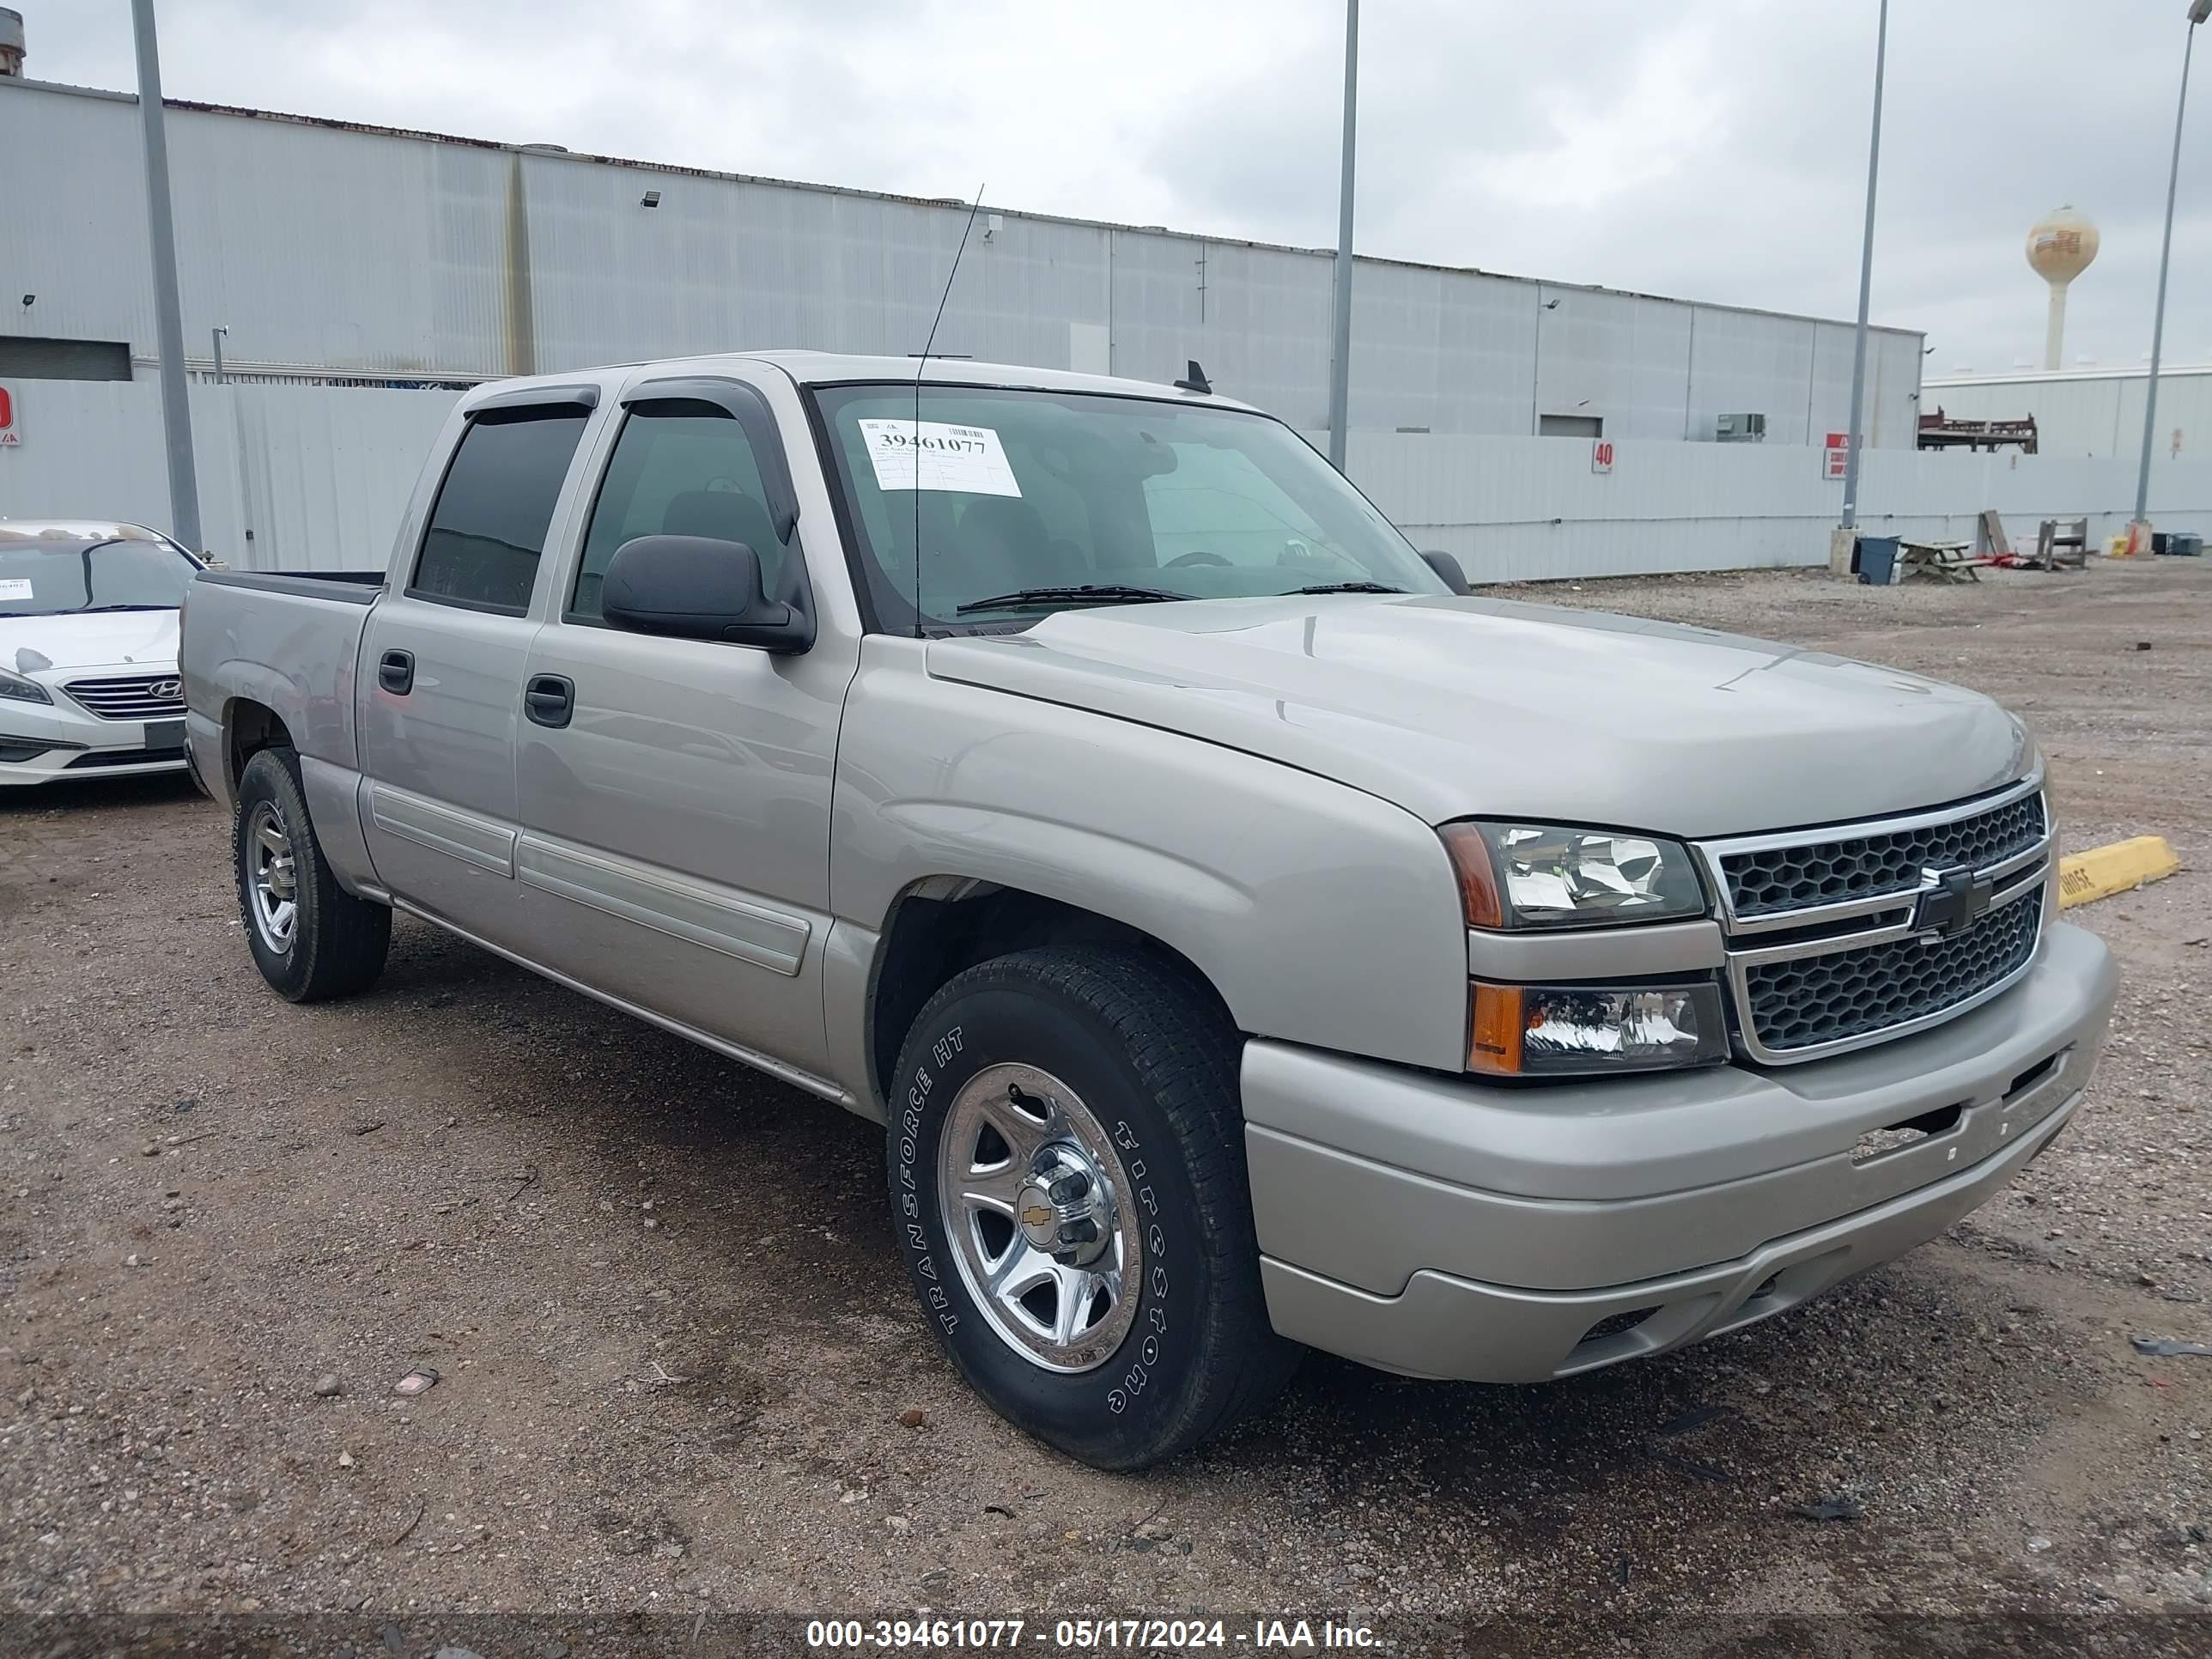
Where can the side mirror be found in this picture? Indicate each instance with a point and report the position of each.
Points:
(1446, 567)
(695, 587)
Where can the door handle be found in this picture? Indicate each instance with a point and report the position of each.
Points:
(395, 672)
(549, 699)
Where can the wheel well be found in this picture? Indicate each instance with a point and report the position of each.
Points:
(249, 727)
(942, 926)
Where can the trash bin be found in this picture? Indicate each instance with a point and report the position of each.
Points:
(1876, 560)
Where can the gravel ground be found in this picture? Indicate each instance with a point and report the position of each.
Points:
(678, 1358)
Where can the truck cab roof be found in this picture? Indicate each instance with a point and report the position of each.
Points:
(812, 369)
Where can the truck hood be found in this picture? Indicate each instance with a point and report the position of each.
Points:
(103, 640)
(1457, 707)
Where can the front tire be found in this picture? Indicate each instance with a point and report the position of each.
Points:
(1068, 1181)
(310, 937)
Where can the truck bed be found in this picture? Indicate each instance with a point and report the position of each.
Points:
(346, 586)
(287, 641)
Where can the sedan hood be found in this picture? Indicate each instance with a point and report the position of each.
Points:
(101, 640)
(1457, 707)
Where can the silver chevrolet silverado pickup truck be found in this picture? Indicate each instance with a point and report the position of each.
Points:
(1248, 941)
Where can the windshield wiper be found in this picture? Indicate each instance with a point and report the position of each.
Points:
(97, 609)
(1088, 593)
(1348, 587)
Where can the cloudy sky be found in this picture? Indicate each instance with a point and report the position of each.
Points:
(1709, 149)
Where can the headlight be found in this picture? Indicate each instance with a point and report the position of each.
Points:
(1528, 875)
(22, 690)
(1558, 1030)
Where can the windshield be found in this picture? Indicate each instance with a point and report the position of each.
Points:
(46, 571)
(1022, 490)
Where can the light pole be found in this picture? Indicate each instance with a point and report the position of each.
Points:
(168, 312)
(1340, 361)
(1866, 281)
(2139, 531)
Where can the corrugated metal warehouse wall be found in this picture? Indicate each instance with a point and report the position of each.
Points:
(318, 476)
(1511, 509)
(304, 478)
(323, 245)
(2089, 411)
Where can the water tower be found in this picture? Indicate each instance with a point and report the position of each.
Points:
(2060, 248)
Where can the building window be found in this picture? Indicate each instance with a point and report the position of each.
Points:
(1570, 426)
(27, 357)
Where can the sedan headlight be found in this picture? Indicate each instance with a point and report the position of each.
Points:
(1560, 1030)
(1531, 875)
(22, 690)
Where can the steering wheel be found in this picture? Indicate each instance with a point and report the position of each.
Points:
(1200, 557)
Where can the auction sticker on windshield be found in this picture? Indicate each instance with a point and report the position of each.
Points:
(937, 455)
(15, 587)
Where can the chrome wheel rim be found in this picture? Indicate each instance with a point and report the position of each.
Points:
(1036, 1199)
(272, 882)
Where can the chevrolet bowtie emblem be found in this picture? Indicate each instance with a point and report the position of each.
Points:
(1035, 1216)
(1953, 904)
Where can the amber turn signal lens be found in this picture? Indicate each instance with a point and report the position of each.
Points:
(1477, 886)
(1591, 1030)
(1495, 1029)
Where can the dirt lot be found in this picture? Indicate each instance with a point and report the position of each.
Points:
(675, 1343)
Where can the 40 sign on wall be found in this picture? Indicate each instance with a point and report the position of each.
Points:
(12, 420)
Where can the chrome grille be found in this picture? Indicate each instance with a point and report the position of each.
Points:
(1771, 880)
(1843, 936)
(131, 696)
(1810, 1001)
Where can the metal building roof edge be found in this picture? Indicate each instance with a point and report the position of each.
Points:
(678, 170)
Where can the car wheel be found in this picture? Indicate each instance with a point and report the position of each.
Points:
(311, 939)
(1068, 1181)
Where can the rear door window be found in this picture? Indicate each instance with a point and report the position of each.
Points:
(488, 525)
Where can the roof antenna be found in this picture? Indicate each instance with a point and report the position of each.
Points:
(918, 369)
(1194, 380)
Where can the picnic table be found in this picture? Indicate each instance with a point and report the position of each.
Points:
(1946, 562)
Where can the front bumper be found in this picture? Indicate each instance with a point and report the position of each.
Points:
(42, 742)
(1442, 1227)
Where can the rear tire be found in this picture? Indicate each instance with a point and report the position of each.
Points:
(1068, 1121)
(310, 937)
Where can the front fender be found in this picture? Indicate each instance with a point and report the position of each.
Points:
(1320, 915)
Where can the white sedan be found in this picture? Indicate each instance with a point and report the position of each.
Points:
(89, 683)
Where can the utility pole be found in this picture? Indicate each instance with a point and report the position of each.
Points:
(2139, 531)
(168, 311)
(1856, 438)
(1340, 362)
